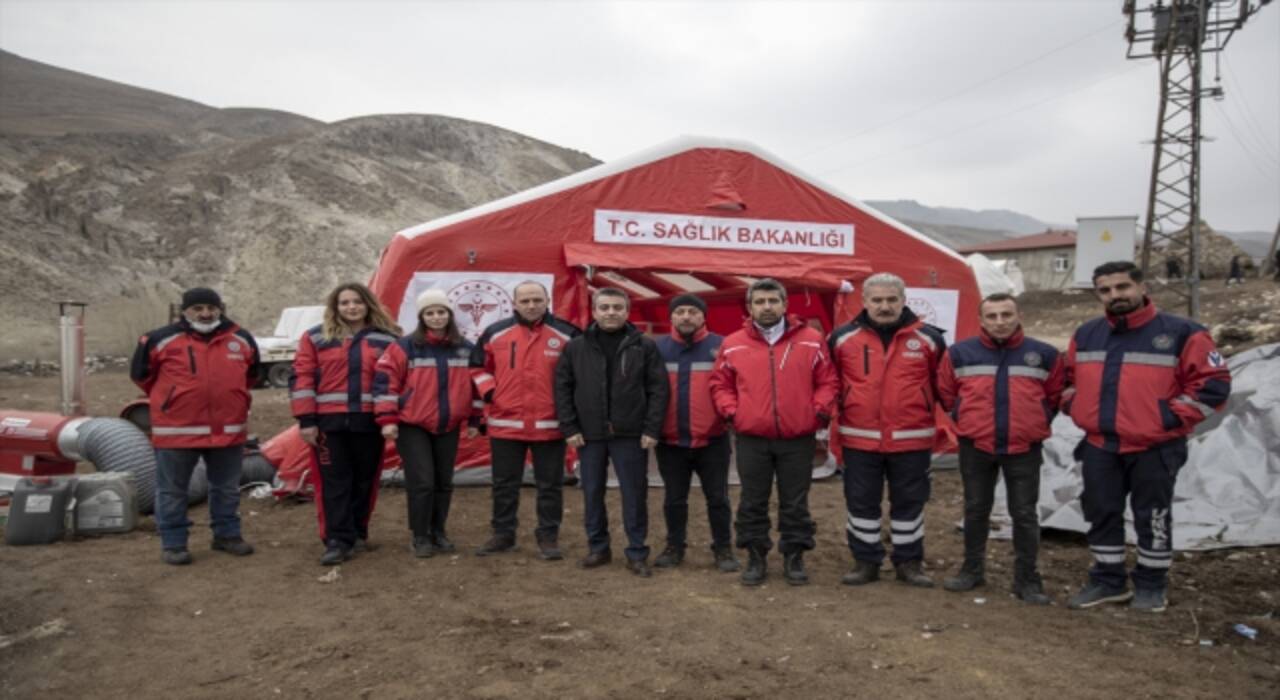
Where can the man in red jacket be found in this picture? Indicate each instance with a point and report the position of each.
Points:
(1139, 381)
(197, 374)
(775, 385)
(1002, 389)
(887, 359)
(513, 366)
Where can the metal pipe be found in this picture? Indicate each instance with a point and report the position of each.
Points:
(71, 331)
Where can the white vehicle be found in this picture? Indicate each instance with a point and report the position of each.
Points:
(277, 351)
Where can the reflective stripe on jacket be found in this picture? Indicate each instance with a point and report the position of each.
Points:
(198, 385)
(335, 377)
(1003, 396)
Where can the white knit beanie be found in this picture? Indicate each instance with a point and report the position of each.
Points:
(433, 297)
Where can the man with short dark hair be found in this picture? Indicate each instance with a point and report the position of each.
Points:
(775, 385)
(693, 436)
(611, 395)
(1139, 380)
(197, 374)
(513, 367)
(1002, 389)
(887, 359)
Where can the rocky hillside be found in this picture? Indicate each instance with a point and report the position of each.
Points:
(122, 197)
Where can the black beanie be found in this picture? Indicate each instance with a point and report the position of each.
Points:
(200, 295)
(687, 300)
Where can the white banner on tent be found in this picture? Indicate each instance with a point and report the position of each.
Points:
(1102, 239)
(936, 307)
(691, 231)
(478, 298)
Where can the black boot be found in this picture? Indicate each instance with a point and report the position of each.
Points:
(968, 578)
(793, 568)
(756, 567)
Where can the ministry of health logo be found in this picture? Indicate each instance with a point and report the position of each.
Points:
(478, 303)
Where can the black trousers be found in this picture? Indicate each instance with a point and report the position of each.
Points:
(548, 475)
(865, 474)
(349, 463)
(428, 460)
(761, 461)
(979, 472)
(677, 466)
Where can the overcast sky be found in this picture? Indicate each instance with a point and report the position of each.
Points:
(1027, 105)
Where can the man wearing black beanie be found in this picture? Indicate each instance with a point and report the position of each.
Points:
(197, 374)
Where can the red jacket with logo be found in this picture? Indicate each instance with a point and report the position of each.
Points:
(1138, 380)
(784, 390)
(691, 416)
(1001, 395)
(887, 394)
(426, 384)
(198, 385)
(513, 366)
(334, 378)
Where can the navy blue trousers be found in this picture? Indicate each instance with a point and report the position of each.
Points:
(631, 464)
(909, 477)
(677, 466)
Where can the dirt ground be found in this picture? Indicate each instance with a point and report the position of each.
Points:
(103, 617)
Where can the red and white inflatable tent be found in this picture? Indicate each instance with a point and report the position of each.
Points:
(692, 214)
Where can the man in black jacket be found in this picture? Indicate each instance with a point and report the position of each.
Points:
(611, 398)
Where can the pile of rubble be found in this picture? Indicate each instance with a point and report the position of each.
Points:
(49, 368)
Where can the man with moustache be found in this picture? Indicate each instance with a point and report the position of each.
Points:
(611, 394)
(887, 359)
(513, 367)
(1002, 389)
(1139, 380)
(775, 384)
(693, 436)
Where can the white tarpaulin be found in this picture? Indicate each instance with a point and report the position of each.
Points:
(1227, 495)
(991, 280)
(1010, 268)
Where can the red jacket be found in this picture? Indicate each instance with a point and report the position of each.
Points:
(887, 395)
(1003, 396)
(427, 385)
(333, 378)
(513, 366)
(691, 416)
(1138, 380)
(198, 385)
(784, 390)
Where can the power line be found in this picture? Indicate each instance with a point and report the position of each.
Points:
(1248, 110)
(1249, 152)
(962, 91)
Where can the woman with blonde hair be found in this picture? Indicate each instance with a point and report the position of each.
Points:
(423, 395)
(331, 391)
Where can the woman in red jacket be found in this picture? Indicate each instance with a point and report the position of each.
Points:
(332, 395)
(423, 394)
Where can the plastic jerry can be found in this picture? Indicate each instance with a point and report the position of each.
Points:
(105, 504)
(38, 511)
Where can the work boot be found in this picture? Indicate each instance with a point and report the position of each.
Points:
(1096, 594)
(335, 553)
(596, 559)
(1031, 592)
(912, 574)
(423, 548)
(232, 545)
(793, 568)
(757, 568)
(670, 557)
(725, 561)
(639, 567)
(497, 545)
(1148, 600)
(968, 578)
(362, 545)
(862, 573)
(549, 549)
(177, 556)
(442, 544)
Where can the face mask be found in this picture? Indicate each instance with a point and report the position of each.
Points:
(204, 327)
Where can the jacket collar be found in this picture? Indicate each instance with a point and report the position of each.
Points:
(698, 336)
(224, 325)
(793, 324)
(1134, 319)
(628, 330)
(1011, 342)
(533, 325)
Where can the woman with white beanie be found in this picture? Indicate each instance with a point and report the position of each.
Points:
(423, 394)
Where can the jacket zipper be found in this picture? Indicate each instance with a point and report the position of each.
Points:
(773, 380)
(191, 355)
(866, 360)
(168, 399)
(513, 354)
